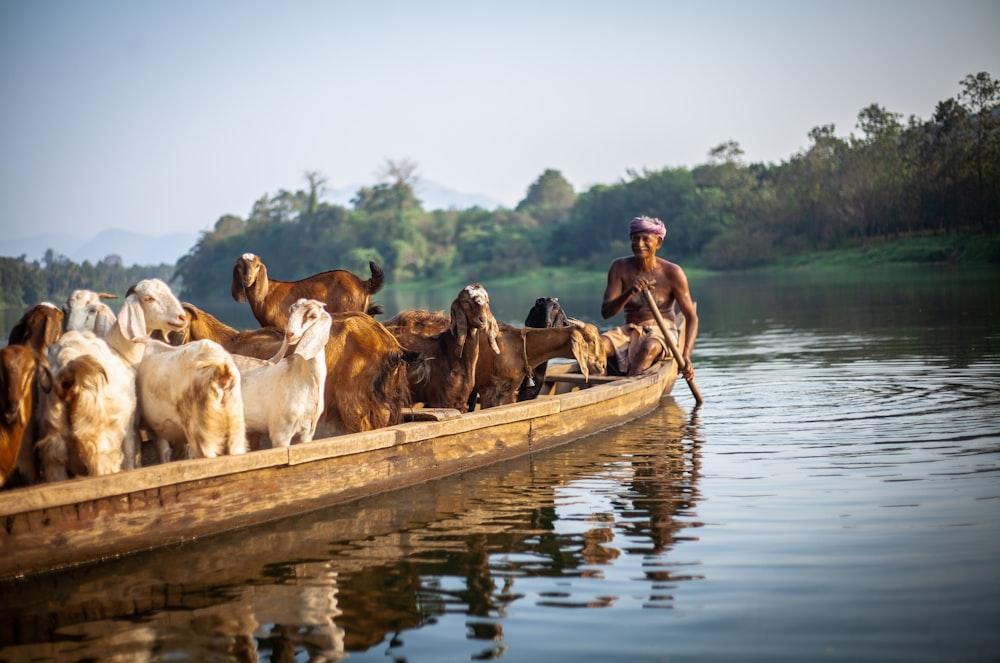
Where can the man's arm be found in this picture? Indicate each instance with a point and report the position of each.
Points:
(682, 295)
(614, 298)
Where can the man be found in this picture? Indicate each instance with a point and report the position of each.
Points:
(637, 344)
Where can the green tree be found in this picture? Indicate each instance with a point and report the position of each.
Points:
(549, 198)
(981, 98)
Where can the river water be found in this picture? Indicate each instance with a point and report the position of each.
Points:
(837, 497)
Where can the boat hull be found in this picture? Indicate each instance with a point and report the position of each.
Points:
(53, 526)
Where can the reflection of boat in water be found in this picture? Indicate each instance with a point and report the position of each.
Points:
(345, 577)
(61, 524)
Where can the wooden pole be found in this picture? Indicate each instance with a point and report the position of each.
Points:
(678, 357)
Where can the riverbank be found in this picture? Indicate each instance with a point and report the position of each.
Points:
(978, 250)
(972, 251)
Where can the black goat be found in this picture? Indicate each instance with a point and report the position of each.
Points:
(545, 313)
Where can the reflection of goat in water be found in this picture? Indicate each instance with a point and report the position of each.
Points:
(452, 352)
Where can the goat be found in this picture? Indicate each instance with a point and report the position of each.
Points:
(88, 423)
(498, 376)
(453, 352)
(366, 385)
(23, 374)
(271, 299)
(250, 348)
(546, 312)
(285, 400)
(191, 400)
(189, 396)
(39, 327)
(84, 311)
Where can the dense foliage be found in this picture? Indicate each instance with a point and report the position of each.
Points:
(926, 178)
(25, 284)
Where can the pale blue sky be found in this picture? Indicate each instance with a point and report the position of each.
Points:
(163, 116)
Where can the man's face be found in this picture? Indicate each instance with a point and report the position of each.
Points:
(644, 243)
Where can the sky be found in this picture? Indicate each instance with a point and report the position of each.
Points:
(162, 116)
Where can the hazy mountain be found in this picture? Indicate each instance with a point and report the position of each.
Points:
(141, 249)
(134, 248)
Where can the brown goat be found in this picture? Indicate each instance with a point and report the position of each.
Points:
(366, 381)
(39, 327)
(498, 376)
(366, 385)
(23, 372)
(453, 353)
(260, 343)
(270, 300)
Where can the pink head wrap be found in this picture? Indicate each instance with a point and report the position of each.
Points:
(647, 224)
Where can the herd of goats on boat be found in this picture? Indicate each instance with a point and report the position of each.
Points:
(86, 392)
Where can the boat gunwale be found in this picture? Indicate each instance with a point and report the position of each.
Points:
(85, 489)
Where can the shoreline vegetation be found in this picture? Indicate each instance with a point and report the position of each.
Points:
(973, 252)
(896, 191)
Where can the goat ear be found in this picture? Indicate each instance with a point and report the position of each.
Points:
(131, 319)
(103, 322)
(458, 326)
(105, 295)
(312, 345)
(43, 374)
(236, 287)
(492, 333)
(53, 330)
(581, 353)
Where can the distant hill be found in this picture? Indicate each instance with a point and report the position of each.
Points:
(134, 248)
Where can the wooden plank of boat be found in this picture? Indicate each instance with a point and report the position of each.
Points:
(52, 526)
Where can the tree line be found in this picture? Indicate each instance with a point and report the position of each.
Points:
(891, 179)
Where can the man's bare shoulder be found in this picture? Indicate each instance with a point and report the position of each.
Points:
(670, 268)
(625, 263)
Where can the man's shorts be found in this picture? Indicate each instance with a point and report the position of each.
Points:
(628, 338)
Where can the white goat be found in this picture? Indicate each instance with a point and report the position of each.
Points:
(190, 400)
(88, 420)
(189, 396)
(285, 400)
(84, 311)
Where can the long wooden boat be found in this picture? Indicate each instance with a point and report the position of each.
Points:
(70, 523)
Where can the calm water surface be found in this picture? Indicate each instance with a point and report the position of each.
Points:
(837, 497)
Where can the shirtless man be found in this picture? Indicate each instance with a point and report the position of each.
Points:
(637, 344)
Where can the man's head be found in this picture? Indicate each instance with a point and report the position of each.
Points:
(647, 224)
